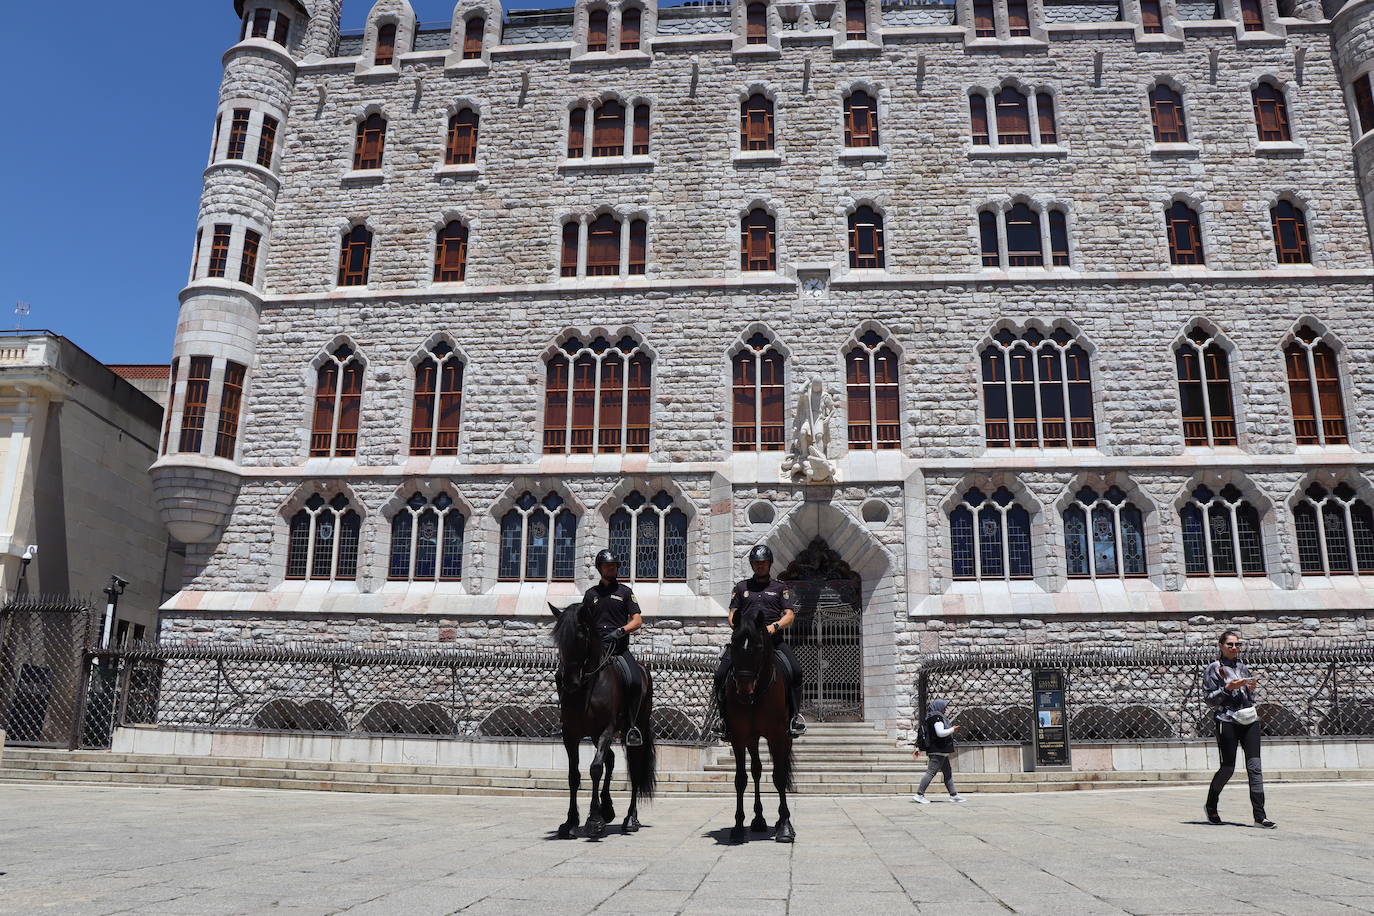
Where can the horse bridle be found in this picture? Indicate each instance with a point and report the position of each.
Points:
(586, 676)
(760, 686)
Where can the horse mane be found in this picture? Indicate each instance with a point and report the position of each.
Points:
(565, 629)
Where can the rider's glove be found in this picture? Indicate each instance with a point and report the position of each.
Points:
(614, 636)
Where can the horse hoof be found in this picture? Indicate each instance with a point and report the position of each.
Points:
(631, 824)
(596, 828)
(759, 825)
(738, 834)
(785, 832)
(567, 831)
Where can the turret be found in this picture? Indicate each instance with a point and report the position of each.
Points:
(1352, 34)
(196, 477)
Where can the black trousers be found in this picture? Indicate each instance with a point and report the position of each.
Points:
(1232, 736)
(794, 677)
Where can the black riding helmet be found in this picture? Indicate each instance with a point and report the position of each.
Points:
(602, 558)
(761, 554)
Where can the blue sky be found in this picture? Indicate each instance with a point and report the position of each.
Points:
(108, 130)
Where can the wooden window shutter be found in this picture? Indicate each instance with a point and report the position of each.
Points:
(1044, 111)
(230, 402)
(472, 38)
(608, 130)
(630, 21)
(219, 249)
(386, 45)
(193, 410)
(577, 133)
(597, 27)
(978, 119)
(756, 24)
(451, 253)
(238, 134)
(571, 231)
(267, 141)
(855, 20)
(248, 264)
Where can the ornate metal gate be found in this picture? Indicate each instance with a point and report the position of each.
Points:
(826, 636)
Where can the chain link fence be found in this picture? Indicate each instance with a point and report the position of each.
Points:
(457, 694)
(43, 672)
(1324, 689)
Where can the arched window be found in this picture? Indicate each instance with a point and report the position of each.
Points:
(1204, 391)
(538, 540)
(427, 540)
(267, 141)
(866, 239)
(990, 537)
(282, 33)
(1044, 118)
(756, 24)
(193, 408)
(323, 543)
(472, 38)
(1290, 233)
(262, 22)
(759, 389)
(630, 20)
(238, 134)
(1059, 238)
(438, 402)
(860, 119)
(1013, 117)
(219, 250)
(1018, 18)
(1271, 113)
(386, 44)
(1218, 528)
(1166, 115)
(855, 20)
(1104, 536)
(1037, 391)
(639, 247)
(1335, 531)
(1251, 16)
(338, 403)
(571, 244)
(978, 119)
(1364, 102)
(451, 253)
(603, 246)
(871, 371)
(230, 402)
(984, 19)
(248, 260)
(1185, 234)
(988, 239)
(462, 138)
(577, 133)
(1025, 247)
(354, 256)
(608, 130)
(756, 122)
(640, 146)
(649, 538)
(370, 143)
(597, 27)
(1314, 390)
(606, 408)
(1151, 17)
(758, 242)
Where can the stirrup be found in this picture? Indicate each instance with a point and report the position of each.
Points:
(797, 726)
(633, 737)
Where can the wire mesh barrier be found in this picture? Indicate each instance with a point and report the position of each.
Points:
(42, 671)
(1324, 689)
(467, 694)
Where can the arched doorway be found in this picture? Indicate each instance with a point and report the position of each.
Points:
(827, 634)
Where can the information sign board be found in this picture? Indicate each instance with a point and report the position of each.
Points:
(1051, 719)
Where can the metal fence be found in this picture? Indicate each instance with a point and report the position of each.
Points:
(1324, 689)
(458, 694)
(43, 673)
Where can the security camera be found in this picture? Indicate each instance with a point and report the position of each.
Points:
(30, 552)
(120, 582)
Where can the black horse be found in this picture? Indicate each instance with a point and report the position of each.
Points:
(594, 705)
(756, 707)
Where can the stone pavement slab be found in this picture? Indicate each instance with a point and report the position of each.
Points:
(90, 850)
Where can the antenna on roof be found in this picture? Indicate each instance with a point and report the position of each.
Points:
(20, 310)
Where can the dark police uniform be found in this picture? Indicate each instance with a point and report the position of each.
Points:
(772, 599)
(612, 605)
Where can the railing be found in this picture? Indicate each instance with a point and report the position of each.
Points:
(1320, 689)
(455, 694)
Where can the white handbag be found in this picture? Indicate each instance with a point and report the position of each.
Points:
(1247, 715)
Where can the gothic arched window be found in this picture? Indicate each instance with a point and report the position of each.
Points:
(1037, 391)
(1314, 390)
(606, 407)
(355, 256)
(598, 26)
(472, 38)
(386, 45)
(759, 388)
(451, 252)
(370, 143)
(427, 540)
(1290, 233)
(462, 138)
(984, 19)
(1185, 234)
(1271, 113)
(756, 123)
(1166, 115)
(758, 241)
(323, 541)
(871, 387)
(1018, 18)
(855, 20)
(756, 24)
(338, 402)
(538, 540)
(866, 239)
(990, 537)
(860, 119)
(1204, 390)
(1151, 17)
(1104, 536)
(1335, 531)
(630, 20)
(1218, 528)
(649, 538)
(1013, 117)
(434, 423)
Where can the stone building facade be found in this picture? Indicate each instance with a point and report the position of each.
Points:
(918, 212)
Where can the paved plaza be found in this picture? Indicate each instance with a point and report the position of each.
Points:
(97, 850)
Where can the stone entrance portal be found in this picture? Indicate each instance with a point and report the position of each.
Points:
(826, 637)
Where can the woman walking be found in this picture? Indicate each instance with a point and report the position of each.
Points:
(1228, 687)
(940, 746)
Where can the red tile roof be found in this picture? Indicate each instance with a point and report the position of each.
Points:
(141, 370)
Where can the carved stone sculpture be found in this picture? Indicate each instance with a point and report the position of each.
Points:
(808, 460)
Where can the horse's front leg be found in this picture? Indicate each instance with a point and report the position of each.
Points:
(782, 776)
(607, 809)
(596, 824)
(738, 834)
(760, 823)
(568, 829)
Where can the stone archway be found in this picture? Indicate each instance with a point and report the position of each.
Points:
(827, 637)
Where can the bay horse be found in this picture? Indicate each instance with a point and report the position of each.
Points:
(592, 701)
(755, 708)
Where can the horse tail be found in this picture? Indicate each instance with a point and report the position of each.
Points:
(642, 761)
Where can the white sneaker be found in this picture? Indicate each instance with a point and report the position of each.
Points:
(920, 799)
(958, 798)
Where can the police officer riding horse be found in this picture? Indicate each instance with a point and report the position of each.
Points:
(772, 598)
(615, 612)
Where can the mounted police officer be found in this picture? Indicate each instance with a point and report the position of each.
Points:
(773, 599)
(615, 612)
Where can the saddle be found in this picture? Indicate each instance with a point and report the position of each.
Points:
(790, 675)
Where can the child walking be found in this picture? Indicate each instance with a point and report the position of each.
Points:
(939, 741)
